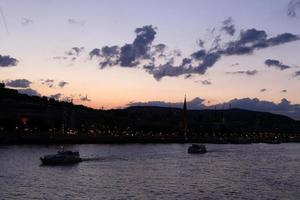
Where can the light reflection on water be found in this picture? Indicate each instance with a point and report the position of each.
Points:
(153, 171)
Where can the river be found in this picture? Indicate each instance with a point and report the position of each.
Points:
(153, 171)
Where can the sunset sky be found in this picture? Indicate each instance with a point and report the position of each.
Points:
(116, 53)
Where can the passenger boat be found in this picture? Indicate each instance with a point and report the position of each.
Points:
(61, 158)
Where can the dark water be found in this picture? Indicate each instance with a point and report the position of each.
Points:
(256, 171)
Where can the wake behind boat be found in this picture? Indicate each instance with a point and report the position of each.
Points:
(61, 158)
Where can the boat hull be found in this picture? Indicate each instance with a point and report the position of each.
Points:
(69, 161)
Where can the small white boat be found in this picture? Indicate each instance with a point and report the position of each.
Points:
(61, 158)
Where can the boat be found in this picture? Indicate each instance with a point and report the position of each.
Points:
(197, 149)
(61, 158)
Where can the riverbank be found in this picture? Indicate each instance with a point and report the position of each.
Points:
(92, 139)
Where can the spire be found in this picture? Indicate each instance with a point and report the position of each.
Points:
(184, 104)
(184, 117)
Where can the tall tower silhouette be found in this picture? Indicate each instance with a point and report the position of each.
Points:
(184, 117)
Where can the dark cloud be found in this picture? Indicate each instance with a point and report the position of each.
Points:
(247, 72)
(7, 61)
(188, 76)
(129, 55)
(95, 52)
(201, 43)
(284, 107)
(228, 26)
(139, 49)
(206, 82)
(47, 82)
(62, 84)
(253, 39)
(56, 96)
(251, 36)
(29, 91)
(292, 8)
(297, 73)
(51, 83)
(159, 50)
(169, 70)
(18, 83)
(263, 90)
(160, 62)
(84, 98)
(26, 21)
(75, 51)
(71, 55)
(198, 55)
(276, 63)
(110, 55)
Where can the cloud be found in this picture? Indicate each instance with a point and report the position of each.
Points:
(23, 86)
(84, 98)
(51, 83)
(110, 55)
(67, 99)
(292, 8)
(18, 83)
(284, 107)
(75, 51)
(139, 49)
(228, 26)
(205, 82)
(188, 76)
(56, 96)
(169, 70)
(263, 90)
(48, 82)
(76, 22)
(29, 91)
(252, 39)
(7, 61)
(276, 63)
(129, 55)
(196, 103)
(247, 72)
(297, 73)
(71, 55)
(60, 57)
(62, 84)
(159, 61)
(26, 21)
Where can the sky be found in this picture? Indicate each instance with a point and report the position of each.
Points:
(115, 53)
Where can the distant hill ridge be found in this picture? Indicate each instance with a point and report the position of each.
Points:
(44, 114)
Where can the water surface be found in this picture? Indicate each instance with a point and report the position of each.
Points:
(154, 171)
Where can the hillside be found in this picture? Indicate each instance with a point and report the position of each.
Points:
(20, 113)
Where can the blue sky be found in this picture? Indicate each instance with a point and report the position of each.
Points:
(40, 33)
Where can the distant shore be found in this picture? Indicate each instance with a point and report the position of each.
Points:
(81, 139)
